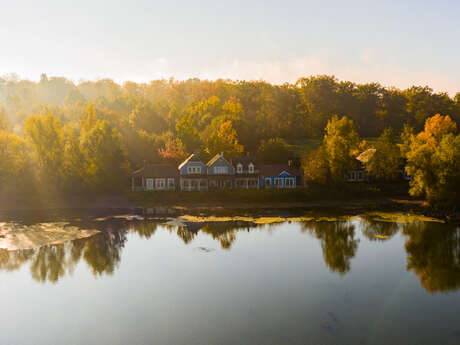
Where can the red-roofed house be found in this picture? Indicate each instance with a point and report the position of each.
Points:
(153, 177)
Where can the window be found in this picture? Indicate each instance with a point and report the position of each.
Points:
(268, 181)
(289, 182)
(360, 176)
(239, 168)
(252, 183)
(171, 183)
(194, 170)
(251, 168)
(160, 183)
(278, 182)
(149, 184)
(220, 170)
(351, 176)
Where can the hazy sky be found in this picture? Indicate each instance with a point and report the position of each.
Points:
(394, 42)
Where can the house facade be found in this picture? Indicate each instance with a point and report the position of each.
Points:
(193, 174)
(246, 173)
(220, 173)
(279, 176)
(154, 177)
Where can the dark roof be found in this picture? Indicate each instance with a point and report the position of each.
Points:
(194, 157)
(156, 170)
(277, 169)
(244, 160)
(215, 158)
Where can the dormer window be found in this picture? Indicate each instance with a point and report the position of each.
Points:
(239, 168)
(194, 170)
(251, 168)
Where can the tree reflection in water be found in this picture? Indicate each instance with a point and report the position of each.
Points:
(433, 250)
(337, 241)
(101, 252)
(375, 230)
(433, 254)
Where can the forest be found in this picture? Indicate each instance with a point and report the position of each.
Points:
(64, 137)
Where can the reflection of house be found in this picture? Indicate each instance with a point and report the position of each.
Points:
(220, 173)
(246, 173)
(154, 177)
(279, 176)
(192, 173)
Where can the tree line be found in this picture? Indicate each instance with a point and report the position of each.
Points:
(431, 157)
(91, 134)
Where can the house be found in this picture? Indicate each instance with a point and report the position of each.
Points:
(220, 173)
(193, 174)
(246, 173)
(358, 172)
(279, 176)
(152, 177)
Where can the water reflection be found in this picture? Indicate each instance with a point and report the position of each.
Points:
(433, 254)
(433, 250)
(338, 243)
(375, 230)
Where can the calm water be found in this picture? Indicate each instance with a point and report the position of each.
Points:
(298, 282)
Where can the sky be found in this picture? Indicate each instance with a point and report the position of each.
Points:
(397, 43)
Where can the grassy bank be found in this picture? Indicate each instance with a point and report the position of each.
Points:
(274, 197)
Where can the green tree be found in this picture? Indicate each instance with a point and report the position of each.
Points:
(386, 161)
(105, 160)
(224, 140)
(340, 144)
(188, 133)
(274, 150)
(13, 157)
(44, 134)
(316, 167)
(433, 161)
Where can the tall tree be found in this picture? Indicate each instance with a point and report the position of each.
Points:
(44, 133)
(433, 161)
(224, 140)
(386, 161)
(340, 143)
(105, 160)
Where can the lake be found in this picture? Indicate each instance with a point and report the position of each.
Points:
(74, 277)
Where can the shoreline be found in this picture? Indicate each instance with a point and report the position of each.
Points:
(164, 204)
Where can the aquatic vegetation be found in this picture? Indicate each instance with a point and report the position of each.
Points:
(402, 218)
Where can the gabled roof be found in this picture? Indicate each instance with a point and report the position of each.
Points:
(366, 156)
(244, 161)
(194, 157)
(156, 170)
(277, 169)
(215, 158)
